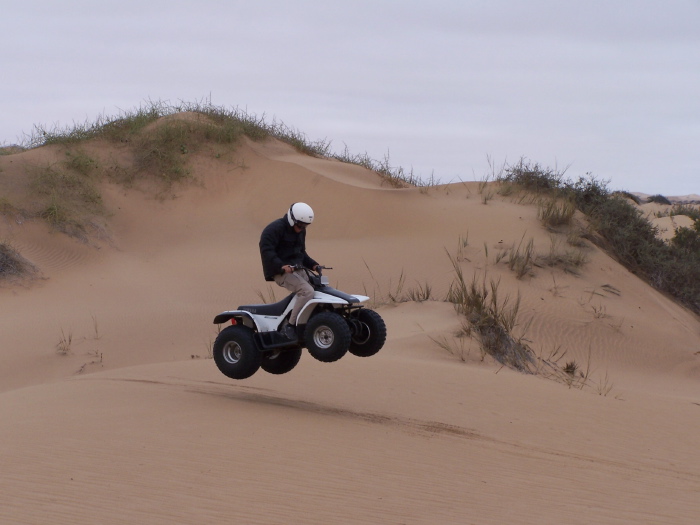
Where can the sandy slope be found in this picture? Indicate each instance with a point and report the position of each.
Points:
(135, 425)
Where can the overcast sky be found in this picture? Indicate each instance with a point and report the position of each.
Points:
(610, 87)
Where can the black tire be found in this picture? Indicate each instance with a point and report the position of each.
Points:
(369, 333)
(280, 362)
(235, 352)
(327, 336)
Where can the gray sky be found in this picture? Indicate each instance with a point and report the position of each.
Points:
(610, 87)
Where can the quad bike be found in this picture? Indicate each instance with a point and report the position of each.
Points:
(330, 325)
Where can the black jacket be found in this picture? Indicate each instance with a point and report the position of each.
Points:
(281, 245)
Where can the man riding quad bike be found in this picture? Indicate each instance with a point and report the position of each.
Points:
(326, 321)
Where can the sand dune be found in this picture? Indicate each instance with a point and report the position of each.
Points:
(136, 425)
(690, 198)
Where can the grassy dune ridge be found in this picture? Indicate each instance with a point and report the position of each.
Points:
(621, 228)
(152, 147)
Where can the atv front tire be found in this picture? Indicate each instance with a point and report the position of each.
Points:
(369, 333)
(327, 336)
(235, 352)
(280, 362)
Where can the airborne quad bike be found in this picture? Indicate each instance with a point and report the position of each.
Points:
(330, 325)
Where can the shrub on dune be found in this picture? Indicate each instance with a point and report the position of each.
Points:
(622, 229)
(492, 317)
(12, 264)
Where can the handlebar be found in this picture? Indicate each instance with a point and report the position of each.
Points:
(319, 268)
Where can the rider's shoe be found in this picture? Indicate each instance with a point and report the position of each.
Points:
(290, 332)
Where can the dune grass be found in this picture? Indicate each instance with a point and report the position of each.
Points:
(161, 150)
(491, 316)
(571, 260)
(531, 177)
(628, 195)
(555, 212)
(67, 195)
(12, 264)
(397, 291)
(659, 199)
(494, 319)
(160, 139)
(65, 343)
(9, 210)
(521, 258)
(689, 210)
(622, 230)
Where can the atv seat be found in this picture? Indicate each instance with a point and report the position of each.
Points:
(275, 309)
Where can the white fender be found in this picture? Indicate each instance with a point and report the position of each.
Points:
(321, 298)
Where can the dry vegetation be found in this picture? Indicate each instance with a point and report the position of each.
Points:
(13, 266)
(153, 148)
(615, 224)
(491, 316)
(618, 227)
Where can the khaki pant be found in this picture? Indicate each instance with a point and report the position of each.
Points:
(298, 283)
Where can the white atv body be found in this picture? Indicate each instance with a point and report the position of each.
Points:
(330, 324)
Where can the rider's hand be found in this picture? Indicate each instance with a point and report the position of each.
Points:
(287, 268)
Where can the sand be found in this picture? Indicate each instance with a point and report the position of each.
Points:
(135, 424)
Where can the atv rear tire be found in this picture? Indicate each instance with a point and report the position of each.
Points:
(280, 362)
(235, 352)
(369, 333)
(327, 336)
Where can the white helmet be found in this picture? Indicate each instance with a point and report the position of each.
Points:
(300, 212)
